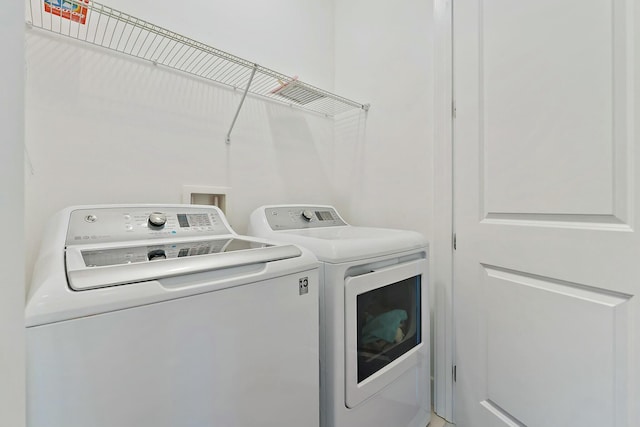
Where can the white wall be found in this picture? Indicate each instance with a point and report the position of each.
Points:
(293, 37)
(12, 390)
(384, 57)
(104, 128)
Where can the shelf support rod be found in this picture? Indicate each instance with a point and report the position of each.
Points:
(244, 95)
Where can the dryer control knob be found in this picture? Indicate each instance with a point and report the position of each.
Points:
(307, 215)
(157, 219)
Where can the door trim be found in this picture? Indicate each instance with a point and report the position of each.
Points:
(442, 253)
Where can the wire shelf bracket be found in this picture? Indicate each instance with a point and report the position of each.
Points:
(101, 25)
(244, 95)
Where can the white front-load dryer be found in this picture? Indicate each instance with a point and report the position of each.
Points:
(162, 316)
(374, 315)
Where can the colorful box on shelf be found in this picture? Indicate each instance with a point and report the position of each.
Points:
(75, 10)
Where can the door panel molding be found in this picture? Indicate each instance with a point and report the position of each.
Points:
(586, 222)
(552, 340)
(533, 121)
(624, 107)
(596, 295)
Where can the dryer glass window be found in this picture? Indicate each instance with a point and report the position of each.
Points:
(389, 320)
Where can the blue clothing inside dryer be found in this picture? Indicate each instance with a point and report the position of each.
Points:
(383, 327)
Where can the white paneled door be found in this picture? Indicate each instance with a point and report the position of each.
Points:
(546, 211)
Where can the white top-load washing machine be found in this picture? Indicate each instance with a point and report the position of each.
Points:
(374, 324)
(162, 316)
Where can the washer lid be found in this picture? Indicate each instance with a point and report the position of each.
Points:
(99, 267)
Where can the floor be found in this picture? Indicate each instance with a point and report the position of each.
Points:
(436, 421)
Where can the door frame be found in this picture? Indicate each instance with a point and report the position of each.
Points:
(442, 250)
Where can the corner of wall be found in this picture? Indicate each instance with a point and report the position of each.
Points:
(12, 353)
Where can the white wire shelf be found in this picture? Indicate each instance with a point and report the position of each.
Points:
(101, 25)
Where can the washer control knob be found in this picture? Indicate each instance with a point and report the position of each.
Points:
(307, 215)
(157, 219)
(156, 254)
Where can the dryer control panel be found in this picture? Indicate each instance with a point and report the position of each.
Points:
(301, 217)
(121, 224)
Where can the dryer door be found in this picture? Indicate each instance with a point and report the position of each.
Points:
(386, 327)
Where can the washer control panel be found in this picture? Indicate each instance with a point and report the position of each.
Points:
(103, 225)
(301, 217)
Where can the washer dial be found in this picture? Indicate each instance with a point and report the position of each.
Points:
(157, 219)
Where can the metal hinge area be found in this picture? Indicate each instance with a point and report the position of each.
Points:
(453, 109)
(455, 245)
(455, 373)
